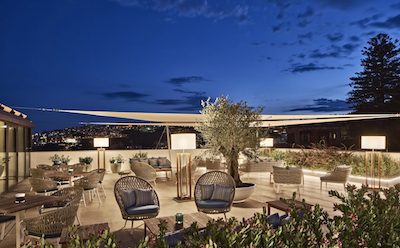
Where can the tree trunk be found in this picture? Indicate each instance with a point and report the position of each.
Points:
(233, 166)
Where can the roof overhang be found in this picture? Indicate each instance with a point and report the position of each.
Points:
(10, 115)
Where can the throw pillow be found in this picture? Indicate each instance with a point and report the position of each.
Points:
(153, 162)
(144, 197)
(128, 198)
(206, 191)
(222, 193)
(164, 162)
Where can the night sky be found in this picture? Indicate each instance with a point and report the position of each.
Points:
(167, 55)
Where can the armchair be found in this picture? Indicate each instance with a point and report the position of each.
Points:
(287, 176)
(340, 174)
(145, 171)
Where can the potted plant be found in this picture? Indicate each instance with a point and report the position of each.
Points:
(231, 128)
(116, 163)
(86, 161)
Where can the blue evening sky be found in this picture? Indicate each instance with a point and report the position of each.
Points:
(167, 55)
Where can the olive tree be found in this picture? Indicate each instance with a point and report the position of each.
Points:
(229, 128)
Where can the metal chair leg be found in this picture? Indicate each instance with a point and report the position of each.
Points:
(225, 216)
(84, 200)
(126, 221)
(104, 192)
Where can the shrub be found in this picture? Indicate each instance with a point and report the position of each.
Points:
(142, 155)
(322, 157)
(117, 160)
(57, 159)
(85, 160)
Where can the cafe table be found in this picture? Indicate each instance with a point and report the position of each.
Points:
(8, 206)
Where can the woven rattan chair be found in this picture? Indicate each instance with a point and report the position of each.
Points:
(2, 167)
(101, 173)
(287, 176)
(43, 185)
(144, 170)
(214, 165)
(340, 174)
(46, 167)
(89, 184)
(37, 173)
(67, 195)
(50, 224)
(212, 179)
(130, 183)
(4, 220)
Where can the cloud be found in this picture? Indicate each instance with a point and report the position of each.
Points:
(179, 81)
(192, 8)
(354, 38)
(189, 101)
(389, 23)
(300, 68)
(334, 51)
(344, 4)
(334, 37)
(277, 27)
(130, 96)
(183, 91)
(265, 58)
(307, 13)
(259, 43)
(395, 6)
(363, 23)
(308, 35)
(324, 105)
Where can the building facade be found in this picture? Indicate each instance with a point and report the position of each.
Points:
(15, 146)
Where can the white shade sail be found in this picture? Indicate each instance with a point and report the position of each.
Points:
(172, 119)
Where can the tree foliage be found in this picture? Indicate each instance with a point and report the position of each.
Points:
(376, 89)
(229, 128)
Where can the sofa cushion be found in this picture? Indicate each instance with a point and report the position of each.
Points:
(45, 236)
(144, 197)
(153, 162)
(6, 218)
(222, 193)
(163, 162)
(137, 210)
(206, 191)
(213, 204)
(128, 197)
(274, 220)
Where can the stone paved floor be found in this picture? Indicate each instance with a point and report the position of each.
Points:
(109, 212)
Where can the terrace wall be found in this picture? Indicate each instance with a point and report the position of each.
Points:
(44, 157)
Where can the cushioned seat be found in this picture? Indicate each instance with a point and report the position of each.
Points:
(45, 236)
(6, 218)
(47, 191)
(213, 204)
(147, 209)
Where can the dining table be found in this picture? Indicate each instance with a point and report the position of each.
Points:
(9, 206)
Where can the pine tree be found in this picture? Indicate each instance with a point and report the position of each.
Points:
(377, 88)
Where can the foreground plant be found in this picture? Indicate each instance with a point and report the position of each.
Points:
(228, 129)
(369, 219)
